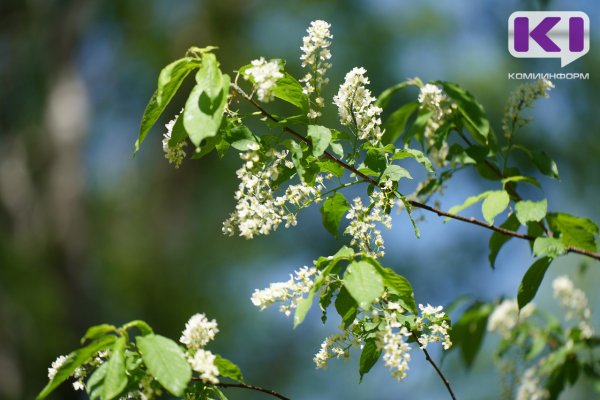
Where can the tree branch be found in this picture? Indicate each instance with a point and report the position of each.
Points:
(252, 387)
(414, 203)
(436, 368)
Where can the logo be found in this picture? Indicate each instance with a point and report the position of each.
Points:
(542, 34)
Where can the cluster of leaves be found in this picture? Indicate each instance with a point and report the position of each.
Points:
(132, 359)
(357, 282)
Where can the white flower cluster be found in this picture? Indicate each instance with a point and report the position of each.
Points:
(337, 345)
(393, 338)
(258, 210)
(56, 366)
(521, 98)
(315, 56)
(356, 108)
(264, 74)
(176, 153)
(288, 293)
(506, 317)
(531, 388)
(575, 303)
(396, 350)
(433, 98)
(437, 328)
(362, 227)
(203, 362)
(79, 373)
(198, 332)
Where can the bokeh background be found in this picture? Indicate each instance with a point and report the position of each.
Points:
(90, 235)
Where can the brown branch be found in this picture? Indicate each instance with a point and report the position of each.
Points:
(436, 368)
(252, 387)
(414, 203)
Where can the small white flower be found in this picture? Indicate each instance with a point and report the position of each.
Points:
(258, 210)
(315, 56)
(198, 331)
(203, 362)
(506, 316)
(289, 293)
(432, 98)
(530, 387)
(56, 366)
(364, 219)
(175, 154)
(396, 351)
(575, 302)
(437, 329)
(265, 75)
(520, 99)
(356, 106)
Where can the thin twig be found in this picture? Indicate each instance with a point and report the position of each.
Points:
(436, 368)
(252, 387)
(414, 203)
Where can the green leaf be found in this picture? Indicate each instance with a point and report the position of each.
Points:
(140, 325)
(417, 155)
(368, 357)
(303, 307)
(396, 123)
(115, 379)
(408, 208)
(520, 178)
(325, 263)
(320, 137)
(337, 149)
(97, 331)
(574, 231)
(532, 281)
(545, 164)
(394, 173)
(398, 285)
(376, 160)
(94, 384)
(494, 203)
(204, 108)
(332, 212)
(330, 166)
(240, 137)
(547, 246)
(528, 211)
(468, 332)
(74, 360)
(165, 362)
(472, 112)
(467, 203)
(346, 307)
(384, 98)
(169, 81)
(228, 369)
(497, 240)
(289, 89)
(326, 297)
(363, 282)
(418, 126)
